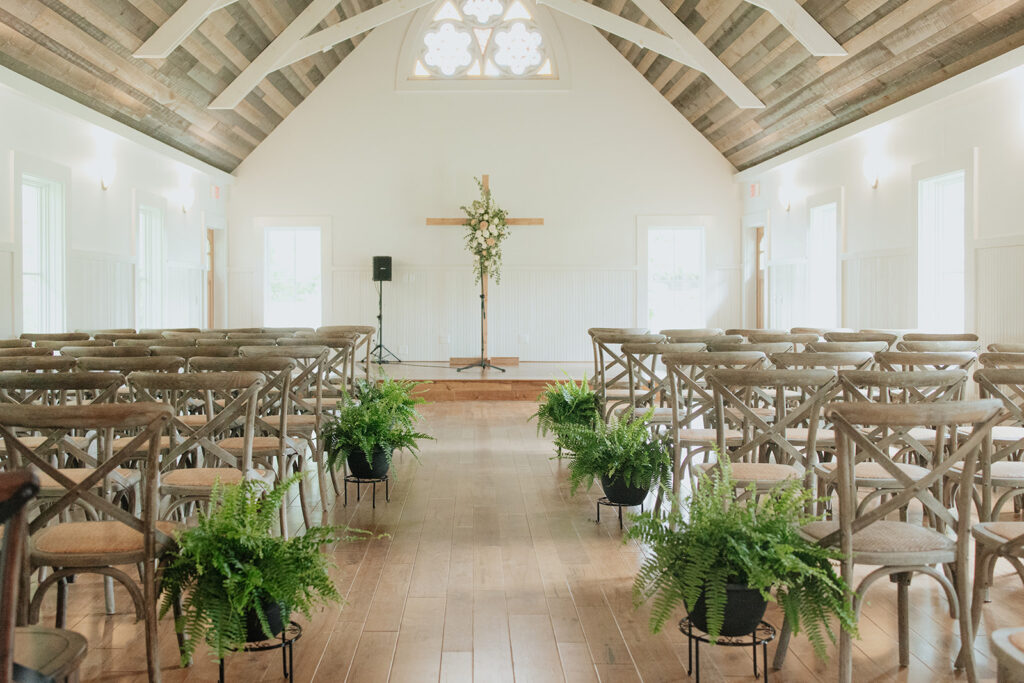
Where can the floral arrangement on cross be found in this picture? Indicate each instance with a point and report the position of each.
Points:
(486, 229)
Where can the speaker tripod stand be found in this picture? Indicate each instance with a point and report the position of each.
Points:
(381, 350)
(484, 361)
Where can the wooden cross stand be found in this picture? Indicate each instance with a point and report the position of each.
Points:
(485, 360)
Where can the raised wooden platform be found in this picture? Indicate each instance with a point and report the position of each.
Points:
(520, 382)
(483, 389)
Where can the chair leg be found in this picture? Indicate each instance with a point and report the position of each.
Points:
(307, 515)
(149, 599)
(62, 604)
(903, 615)
(783, 647)
(108, 595)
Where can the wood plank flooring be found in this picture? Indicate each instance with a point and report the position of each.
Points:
(492, 572)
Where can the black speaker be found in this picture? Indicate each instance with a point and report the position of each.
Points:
(382, 269)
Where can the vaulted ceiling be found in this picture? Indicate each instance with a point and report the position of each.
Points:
(83, 49)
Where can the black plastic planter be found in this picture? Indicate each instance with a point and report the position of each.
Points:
(359, 467)
(619, 492)
(744, 610)
(254, 629)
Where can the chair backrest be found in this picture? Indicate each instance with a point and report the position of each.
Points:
(253, 335)
(236, 343)
(190, 352)
(306, 390)
(937, 346)
(871, 347)
(830, 360)
(128, 365)
(765, 348)
(799, 341)
(925, 360)
(886, 337)
(820, 331)
(62, 336)
(105, 351)
(647, 377)
(747, 331)
(920, 386)
(612, 370)
(59, 388)
(165, 330)
(58, 345)
(869, 432)
(1001, 359)
(691, 399)
(683, 336)
(1006, 348)
(17, 488)
(938, 337)
(123, 336)
(225, 331)
(15, 343)
(146, 420)
(737, 394)
(194, 336)
(286, 331)
(156, 341)
(341, 366)
(38, 364)
(22, 352)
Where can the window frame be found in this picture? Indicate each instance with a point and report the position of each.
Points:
(644, 224)
(835, 196)
(143, 200)
(323, 223)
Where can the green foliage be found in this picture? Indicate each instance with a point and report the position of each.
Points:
(623, 447)
(378, 414)
(566, 403)
(757, 543)
(232, 562)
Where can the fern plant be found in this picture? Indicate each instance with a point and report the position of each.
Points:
(376, 415)
(231, 564)
(710, 540)
(623, 448)
(566, 403)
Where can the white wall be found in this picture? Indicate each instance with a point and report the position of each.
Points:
(375, 162)
(42, 130)
(974, 121)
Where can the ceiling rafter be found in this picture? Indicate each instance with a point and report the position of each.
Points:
(680, 44)
(178, 27)
(802, 26)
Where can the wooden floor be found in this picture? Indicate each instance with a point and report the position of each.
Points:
(493, 573)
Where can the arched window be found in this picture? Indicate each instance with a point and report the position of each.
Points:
(483, 39)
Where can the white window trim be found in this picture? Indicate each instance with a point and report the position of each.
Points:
(643, 226)
(21, 164)
(405, 81)
(327, 266)
(142, 198)
(835, 196)
(965, 160)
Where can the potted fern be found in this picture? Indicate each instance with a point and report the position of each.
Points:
(624, 454)
(374, 421)
(566, 403)
(237, 581)
(724, 559)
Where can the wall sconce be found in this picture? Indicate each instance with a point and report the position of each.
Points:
(786, 198)
(186, 196)
(106, 170)
(871, 168)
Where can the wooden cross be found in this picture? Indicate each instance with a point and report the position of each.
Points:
(459, 222)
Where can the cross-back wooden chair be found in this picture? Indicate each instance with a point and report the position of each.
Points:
(1001, 360)
(937, 346)
(829, 360)
(100, 546)
(38, 364)
(15, 343)
(994, 541)
(790, 434)
(305, 394)
(612, 330)
(25, 352)
(126, 366)
(207, 406)
(190, 352)
(363, 341)
(871, 347)
(56, 336)
(925, 360)
(340, 373)
(648, 379)
(1002, 468)
(691, 335)
(611, 383)
(889, 338)
(900, 549)
(58, 345)
(693, 429)
(105, 351)
(765, 348)
(799, 341)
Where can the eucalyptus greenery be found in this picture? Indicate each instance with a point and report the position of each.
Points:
(379, 414)
(566, 403)
(624, 447)
(486, 229)
(711, 539)
(232, 563)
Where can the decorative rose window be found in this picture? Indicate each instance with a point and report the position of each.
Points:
(480, 39)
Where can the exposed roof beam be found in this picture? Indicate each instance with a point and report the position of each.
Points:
(178, 27)
(349, 28)
(266, 61)
(803, 26)
(680, 44)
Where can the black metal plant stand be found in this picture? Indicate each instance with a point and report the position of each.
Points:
(484, 361)
(762, 635)
(380, 349)
(604, 501)
(286, 643)
(359, 481)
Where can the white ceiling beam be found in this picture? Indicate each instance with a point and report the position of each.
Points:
(349, 28)
(265, 61)
(803, 26)
(178, 27)
(680, 44)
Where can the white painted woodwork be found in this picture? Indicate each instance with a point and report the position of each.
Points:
(682, 46)
(178, 27)
(802, 25)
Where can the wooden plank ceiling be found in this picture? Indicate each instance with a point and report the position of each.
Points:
(83, 49)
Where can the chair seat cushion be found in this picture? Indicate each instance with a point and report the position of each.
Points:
(119, 443)
(708, 436)
(885, 537)
(260, 444)
(93, 538)
(121, 477)
(824, 437)
(997, 533)
(193, 420)
(300, 420)
(52, 652)
(35, 442)
(873, 474)
(204, 477)
(1017, 640)
(759, 472)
